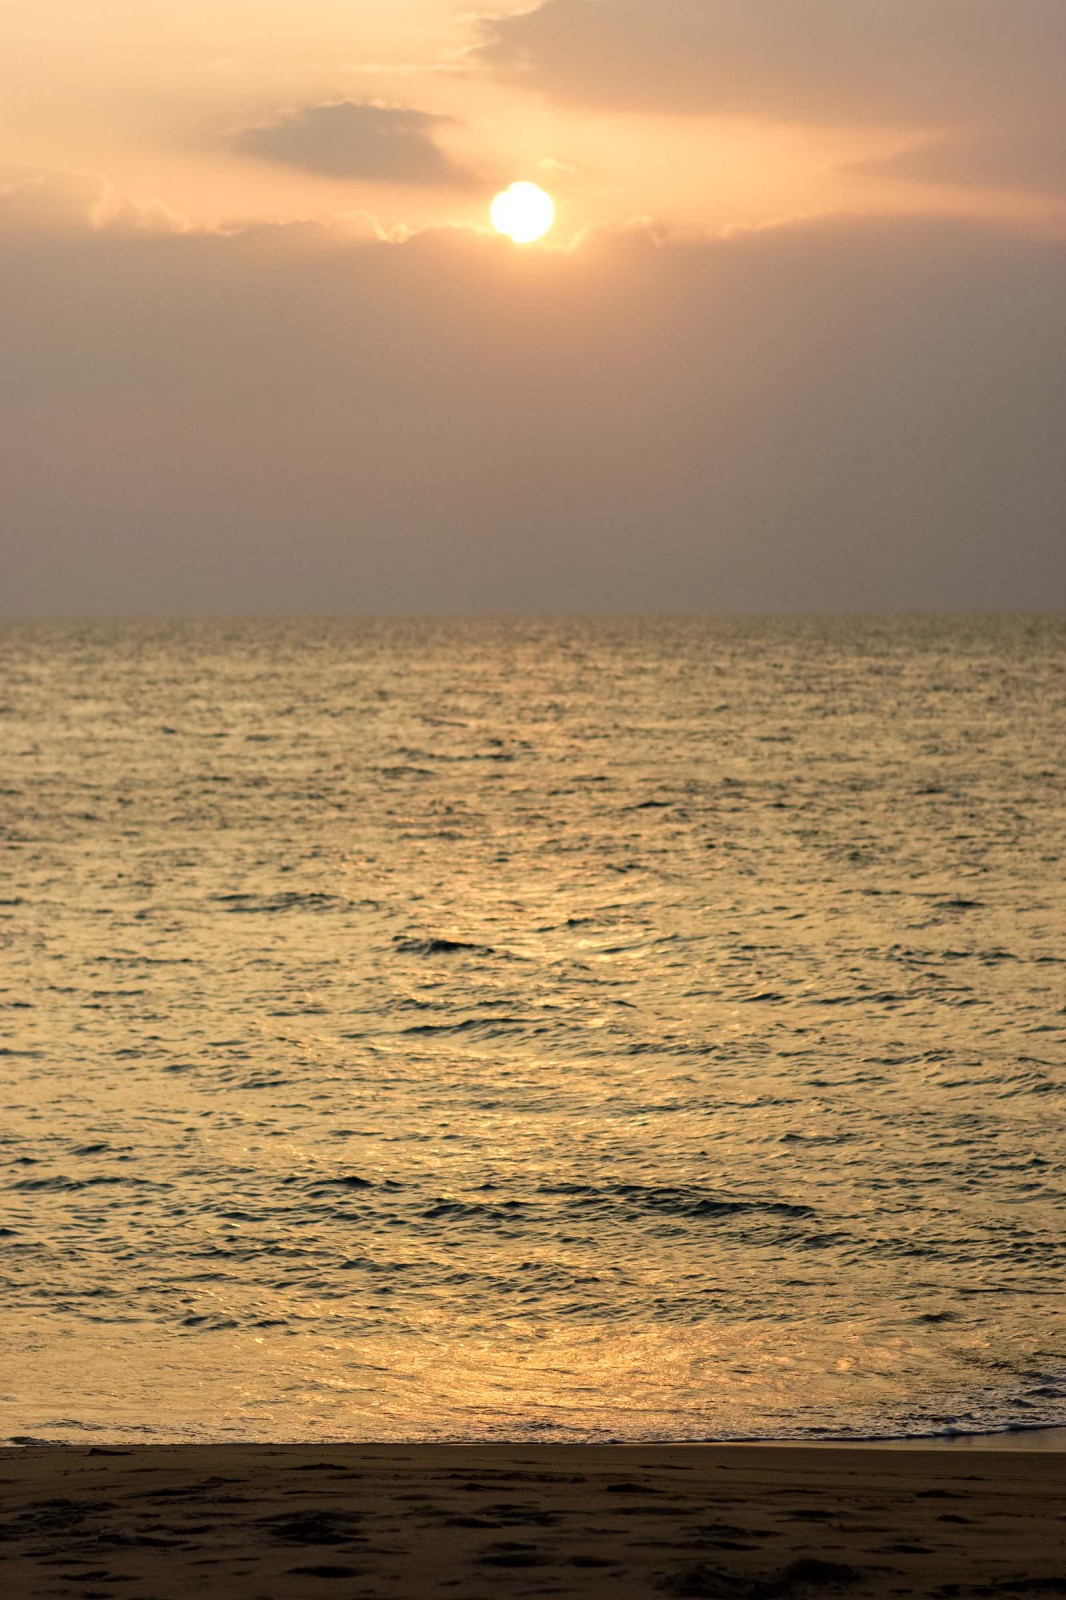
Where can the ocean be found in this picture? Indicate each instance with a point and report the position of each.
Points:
(578, 1030)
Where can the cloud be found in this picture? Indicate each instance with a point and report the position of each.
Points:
(64, 202)
(809, 61)
(369, 143)
(1027, 158)
(833, 415)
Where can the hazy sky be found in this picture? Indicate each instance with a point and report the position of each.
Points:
(797, 340)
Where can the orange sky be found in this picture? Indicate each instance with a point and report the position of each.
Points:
(608, 103)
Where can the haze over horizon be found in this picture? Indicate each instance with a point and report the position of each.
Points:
(796, 342)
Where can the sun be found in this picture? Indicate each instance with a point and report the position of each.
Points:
(523, 213)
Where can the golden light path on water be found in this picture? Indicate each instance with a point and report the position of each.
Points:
(582, 1030)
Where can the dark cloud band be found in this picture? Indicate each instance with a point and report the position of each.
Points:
(819, 417)
(875, 61)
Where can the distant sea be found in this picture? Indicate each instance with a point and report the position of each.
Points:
(532, 1030)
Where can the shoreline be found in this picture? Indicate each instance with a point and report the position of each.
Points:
(484, 1522)
(1038, 1438)
(1050, 1437)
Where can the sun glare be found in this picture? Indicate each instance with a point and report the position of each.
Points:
(523, 213)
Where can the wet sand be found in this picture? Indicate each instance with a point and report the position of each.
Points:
(746, 1522)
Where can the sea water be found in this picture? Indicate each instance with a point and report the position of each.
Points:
(581, 1030)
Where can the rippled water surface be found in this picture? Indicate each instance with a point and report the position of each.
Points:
(587, 1030)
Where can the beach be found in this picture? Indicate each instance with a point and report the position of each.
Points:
(483, 1522)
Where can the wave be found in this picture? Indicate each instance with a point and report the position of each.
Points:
(292, 900)
(61, 1184)
(439, 947)
(678, 1201)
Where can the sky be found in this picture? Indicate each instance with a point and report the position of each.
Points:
(796, 341)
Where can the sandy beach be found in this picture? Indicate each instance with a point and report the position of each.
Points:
(479, 1523)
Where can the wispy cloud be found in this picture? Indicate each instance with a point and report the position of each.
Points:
(347, 139)
(1027, 157)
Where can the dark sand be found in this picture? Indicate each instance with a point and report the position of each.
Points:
(481, 1523)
